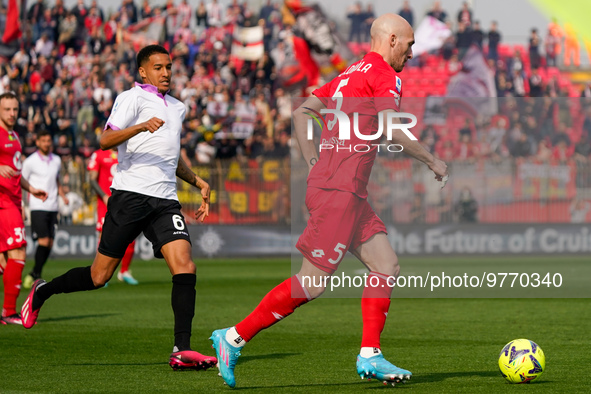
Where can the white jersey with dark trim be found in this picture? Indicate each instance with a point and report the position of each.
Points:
(148, 161)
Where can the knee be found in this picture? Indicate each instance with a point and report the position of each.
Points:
(390, 267)
(315, 285)
(184, 266)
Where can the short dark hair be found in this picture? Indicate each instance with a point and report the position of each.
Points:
(8, 95)
(145, 53)
(43, 133)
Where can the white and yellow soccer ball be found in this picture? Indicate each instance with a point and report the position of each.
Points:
(522, 361)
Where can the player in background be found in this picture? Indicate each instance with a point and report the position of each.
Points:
(340, 216)
(145, 125)
(12, 227)
(42, 168)
(101, 170)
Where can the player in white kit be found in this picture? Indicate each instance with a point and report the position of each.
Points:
(145, 124)
(43, 168)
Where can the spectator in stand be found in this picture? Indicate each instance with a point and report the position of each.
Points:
(356, 16)
(494, 38)
(544, 153)
(201, 14)
(523, 147)
(467, 129)
(466, 149)
(128, 11)
(184, 13)
(368, 17)
(465, 15)
(534, 49)
(467, 207)
(34, 16)
(47, 25)
(44, 45)
(437, 12)
(463, 40)
(64, 150)
(94, 4)
(183, 34)
(417, 209)
(429, 138)
(407, 13)
(225, 148)
(214, 13)
(583, 148)
(58, 13)
(518, 84)
(552, 47)
(536, 86)
(477, 34)
(146, 10)
(445, 150)
(69, 32)
(80, 11)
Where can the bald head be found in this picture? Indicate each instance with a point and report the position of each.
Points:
(392, 37)
(388, 24)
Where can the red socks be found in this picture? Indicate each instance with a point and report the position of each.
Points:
(12, 285)
(375, 303)
(276, 305)
(126, 260)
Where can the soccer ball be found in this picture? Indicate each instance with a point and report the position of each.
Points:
(521, 361)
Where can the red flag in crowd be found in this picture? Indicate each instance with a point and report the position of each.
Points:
(13, 26)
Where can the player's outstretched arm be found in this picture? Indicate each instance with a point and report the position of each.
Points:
(416, 150)
(186, 174)
(300, 124)
(40, 194)
(112, 138)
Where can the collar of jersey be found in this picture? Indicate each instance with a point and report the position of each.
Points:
(152, 89)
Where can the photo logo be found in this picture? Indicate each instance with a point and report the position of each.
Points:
(344, 123)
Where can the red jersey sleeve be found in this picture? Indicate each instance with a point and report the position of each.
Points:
(93, 163)
(323, 91)
(387, 87)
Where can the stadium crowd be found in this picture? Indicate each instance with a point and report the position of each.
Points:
(72, 63)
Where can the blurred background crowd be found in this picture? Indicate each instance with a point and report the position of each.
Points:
(237, 67)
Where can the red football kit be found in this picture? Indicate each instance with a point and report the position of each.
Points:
(12, 228)
(105, 163)
(340, 216)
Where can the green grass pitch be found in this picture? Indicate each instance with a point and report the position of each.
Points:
(118, 339)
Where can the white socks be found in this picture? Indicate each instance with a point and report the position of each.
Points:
(367, 352)
(234, 338)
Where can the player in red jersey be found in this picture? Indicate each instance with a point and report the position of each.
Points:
(102, 168)
(12, 227)
(340, 216)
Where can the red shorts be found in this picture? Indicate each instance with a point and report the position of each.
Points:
(12, 229)
(101, 211)
(339, 221)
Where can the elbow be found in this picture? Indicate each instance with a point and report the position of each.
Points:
(104, 145)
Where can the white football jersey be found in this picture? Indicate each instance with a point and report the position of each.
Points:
(42, 173)
(148, 161)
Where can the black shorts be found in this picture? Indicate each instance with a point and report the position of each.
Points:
(129, 213)
(43, 224)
